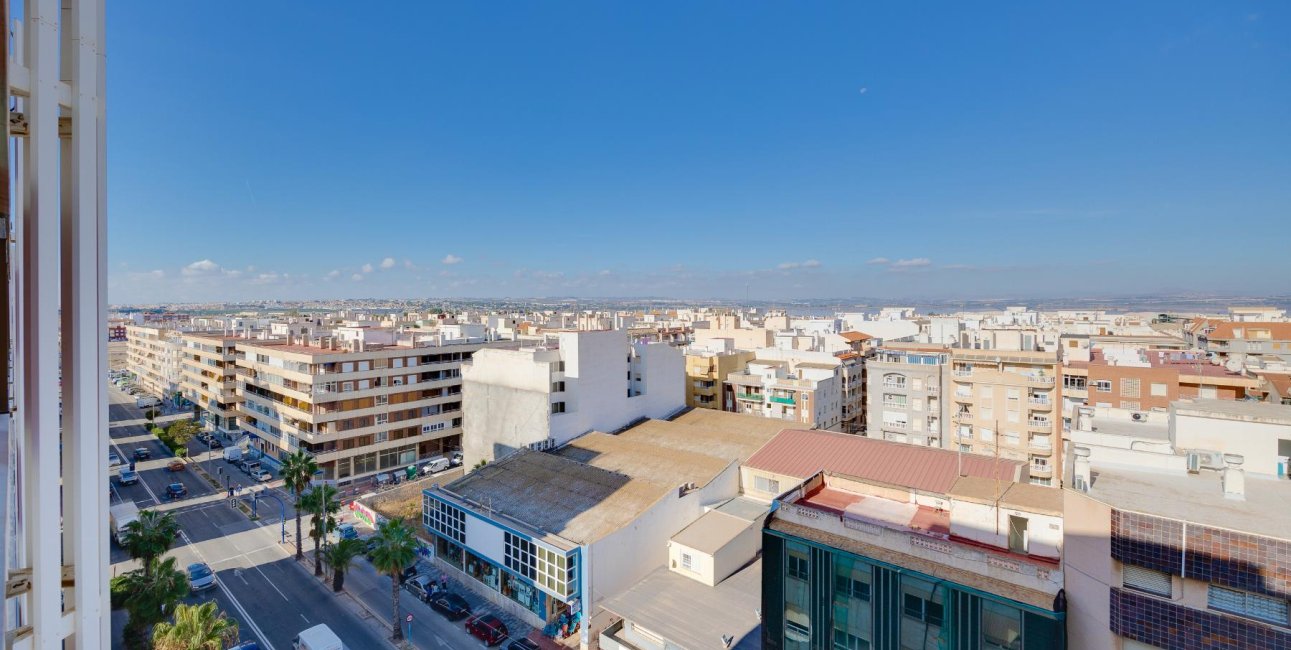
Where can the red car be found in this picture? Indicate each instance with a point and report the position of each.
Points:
(488, 629)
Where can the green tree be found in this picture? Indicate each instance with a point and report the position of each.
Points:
(195, 627)
(322, 504)
(395, 548)
(150, 415)
(150, 536)
(181, 431)
(339, 556)
(297, 471)
(154, 590)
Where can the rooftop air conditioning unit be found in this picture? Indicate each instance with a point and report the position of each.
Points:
(1139, 416)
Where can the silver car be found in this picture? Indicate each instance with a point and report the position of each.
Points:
(200, 577)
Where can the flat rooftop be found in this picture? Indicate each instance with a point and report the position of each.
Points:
(1157, 426)
(693, 615)
(1197, 498)
(1235, 410)
(601, 482)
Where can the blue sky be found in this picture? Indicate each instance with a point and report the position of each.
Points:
(307, 150)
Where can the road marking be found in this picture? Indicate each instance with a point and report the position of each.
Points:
(303, 616)
(271, 584)
(441, 642)
(264, 640)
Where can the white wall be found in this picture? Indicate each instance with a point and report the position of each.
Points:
(1257, 442)
(990, 525)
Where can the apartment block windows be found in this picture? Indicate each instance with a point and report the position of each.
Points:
(1245, 603)
(449, 521)
(1103, 386)
(557, 386)
(556, 572)
(1159, 390)
(687, 562)
(798, 566)
(518, 554)
(557, 407)
(1148, 581)
(1129, 387)
(764, 484)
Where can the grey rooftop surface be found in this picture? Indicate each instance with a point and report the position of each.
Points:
(601, 482)
(1197, 498)
(712, 531)
(1235, 410)
(1157, 426)
(693, 615)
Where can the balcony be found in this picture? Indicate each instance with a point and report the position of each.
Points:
(1041, 442)
(1041, 471)
(752, 397)
(1042, 403)
(896, 405)
(894, 384)
(782, 400)
(1039, 425)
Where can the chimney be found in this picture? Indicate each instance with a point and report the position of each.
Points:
(1080, 482)
(1234, 477)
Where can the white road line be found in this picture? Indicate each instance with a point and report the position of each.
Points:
(229, 594)
(271, 584)
(303, 616)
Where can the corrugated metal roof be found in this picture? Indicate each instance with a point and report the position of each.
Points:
(799, 453)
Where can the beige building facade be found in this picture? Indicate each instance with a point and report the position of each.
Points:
(1007, 403)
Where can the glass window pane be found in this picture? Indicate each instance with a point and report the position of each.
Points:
(1001, 626)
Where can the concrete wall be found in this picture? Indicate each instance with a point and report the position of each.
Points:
(738, 552)
(990, 525)
(701, 564)
(506, 404)
(624, 557)
(1256, 441)
(1087, 567)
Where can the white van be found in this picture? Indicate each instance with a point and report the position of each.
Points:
(232, 454)
(145, 402)
(435, 465)
(319, 637)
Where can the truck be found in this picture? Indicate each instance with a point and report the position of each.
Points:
(232, 454)
(120, 515)
(319, 637)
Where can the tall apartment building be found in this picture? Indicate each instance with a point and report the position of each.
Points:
(153, 353)
(361, 400)
(906, 400)
(573, 383)
(706, 373)
(208, 378)
(907, 547)
(1005, 403)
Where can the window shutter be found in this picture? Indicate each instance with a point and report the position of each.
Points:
(1146, 580)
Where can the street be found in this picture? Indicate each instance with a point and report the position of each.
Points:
(259, 583)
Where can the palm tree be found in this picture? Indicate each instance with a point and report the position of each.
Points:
(149, 536)
(322, 504)
(395, 549)
(153, 591)
(195, 627)
(297, 471)
(339, 556)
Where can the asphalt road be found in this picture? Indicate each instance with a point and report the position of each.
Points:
(259, 584)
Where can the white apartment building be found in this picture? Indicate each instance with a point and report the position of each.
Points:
(362, 400)
(208, 378)
(575, 383)
(153, 354)
(806, 388)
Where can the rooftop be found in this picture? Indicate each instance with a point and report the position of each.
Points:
(1022, 496)
(692, 615)
(712, 531)
(1197, 498)
(1235, 410)
(801, 454)
(600, 482)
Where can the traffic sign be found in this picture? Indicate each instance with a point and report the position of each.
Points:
(410, 618)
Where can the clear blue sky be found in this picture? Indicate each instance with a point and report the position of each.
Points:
(697, 149)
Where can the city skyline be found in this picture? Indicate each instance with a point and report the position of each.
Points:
(617, 151)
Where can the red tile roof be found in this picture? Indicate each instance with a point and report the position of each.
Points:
(1228, 330)
(853, 337)
(799, 453)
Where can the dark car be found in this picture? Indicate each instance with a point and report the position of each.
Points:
(487, 628)
(176, 490)
(369, 546)
(176, 465)
(522, 644)
(408, 572)
(200, 577)
(421, 587)
(142, 453)
(216, 444)
(452, 606)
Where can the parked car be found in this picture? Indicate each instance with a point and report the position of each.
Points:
(522, 644)
(421, 587)
(408, 572)
(142, 453)
(175, 465)
(452, 606)
(261, 474)
(200, 577)
(176, 490)
(113, 459)
(456, 458)
(369, 545)
(214, 443)
(127, 477)
(347, 531)
(487, 628)
(248, 466)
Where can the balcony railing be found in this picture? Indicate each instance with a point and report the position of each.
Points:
(749, 396)
(782, 400)
(1040, 401)
(894, 384)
